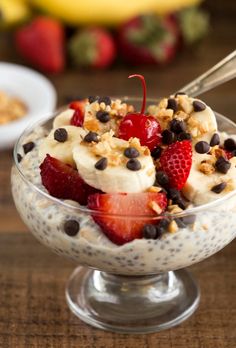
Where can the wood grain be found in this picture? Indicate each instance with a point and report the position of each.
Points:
(33, 312)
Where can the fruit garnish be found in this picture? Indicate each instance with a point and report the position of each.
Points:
(176, 161)
(41, 42)
(63, 181)
(141, 126)
(78, 116)
(133, 211)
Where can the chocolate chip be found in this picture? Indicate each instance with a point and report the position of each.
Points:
(61, 135)
(215, 140)
(184, 136)
(164, 223)
(156, 153)
(19, 157)
(159, 232)
(179, 93)
(168, 137)
(71, 227)
(92, 98)
(101, 164)
(149, 231)
(176, 197)
(91, 136)
(202, 147)
(219, 188)
(182, 222)
(222, 165)
(133, 164)
(103, 116)
(172, 104)
(28, 147)
(106, 100)
(162, 178)
(131, 152)
(230, 144)
(173, 194)
(177, 126)
(198, 106)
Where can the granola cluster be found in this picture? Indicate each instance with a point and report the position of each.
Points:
(11, 108)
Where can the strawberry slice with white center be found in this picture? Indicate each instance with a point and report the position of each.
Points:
(131, 211)
(176, 162)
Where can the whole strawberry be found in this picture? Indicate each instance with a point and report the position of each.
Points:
(148, 39)
(176, 162)
(41, 43)
(92, 47)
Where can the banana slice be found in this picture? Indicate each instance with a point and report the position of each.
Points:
(62, 150)
(115, 177)
(63, 119)
(202, 125)
(198, 186)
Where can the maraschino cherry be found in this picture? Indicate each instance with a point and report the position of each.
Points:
(139, 125)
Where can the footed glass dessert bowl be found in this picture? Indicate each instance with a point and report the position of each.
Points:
(141, 286)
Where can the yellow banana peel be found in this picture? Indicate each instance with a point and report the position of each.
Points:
(106, 12)
(13, 12)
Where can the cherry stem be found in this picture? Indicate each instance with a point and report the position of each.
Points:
(141, 77)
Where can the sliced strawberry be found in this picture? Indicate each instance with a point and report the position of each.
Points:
(131, 212)
(62, 181)
(176, 162)
(78, 116)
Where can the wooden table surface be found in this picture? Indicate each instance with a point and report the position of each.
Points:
(33, 311)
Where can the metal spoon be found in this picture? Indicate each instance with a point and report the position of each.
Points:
(220, 73)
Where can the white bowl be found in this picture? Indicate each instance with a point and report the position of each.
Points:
(34, 89)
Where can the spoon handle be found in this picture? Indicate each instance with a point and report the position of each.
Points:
(222, 72)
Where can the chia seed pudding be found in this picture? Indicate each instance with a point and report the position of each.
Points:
(201, 223)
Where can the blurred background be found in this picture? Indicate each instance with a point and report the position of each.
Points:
(89, 47)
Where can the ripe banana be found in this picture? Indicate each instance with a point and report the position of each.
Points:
(13, 12)
(106, 12)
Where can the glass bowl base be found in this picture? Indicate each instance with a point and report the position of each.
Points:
(131, 304)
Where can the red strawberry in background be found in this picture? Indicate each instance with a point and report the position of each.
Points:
(133, 209)
(41, 43)
(176, 162)
(92, 47)
(62, 181)
(78, 116)
(148, 39)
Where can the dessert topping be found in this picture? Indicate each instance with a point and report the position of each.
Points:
(198, 106)
(149, 231)
(71, 227)
(131, 152)
(91, 137)
(101, 164)
(172, 104)
(176, 161)
(139, 125)
(219, 188)
(133, 164)
(202, 147)
(61, 135)
(28, 147)
(215, 140)
(103, 116)
(19, 157)
(168, 137)
(230, 144)
(222, 165)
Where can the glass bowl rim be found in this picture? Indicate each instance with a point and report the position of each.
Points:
(84, 209)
